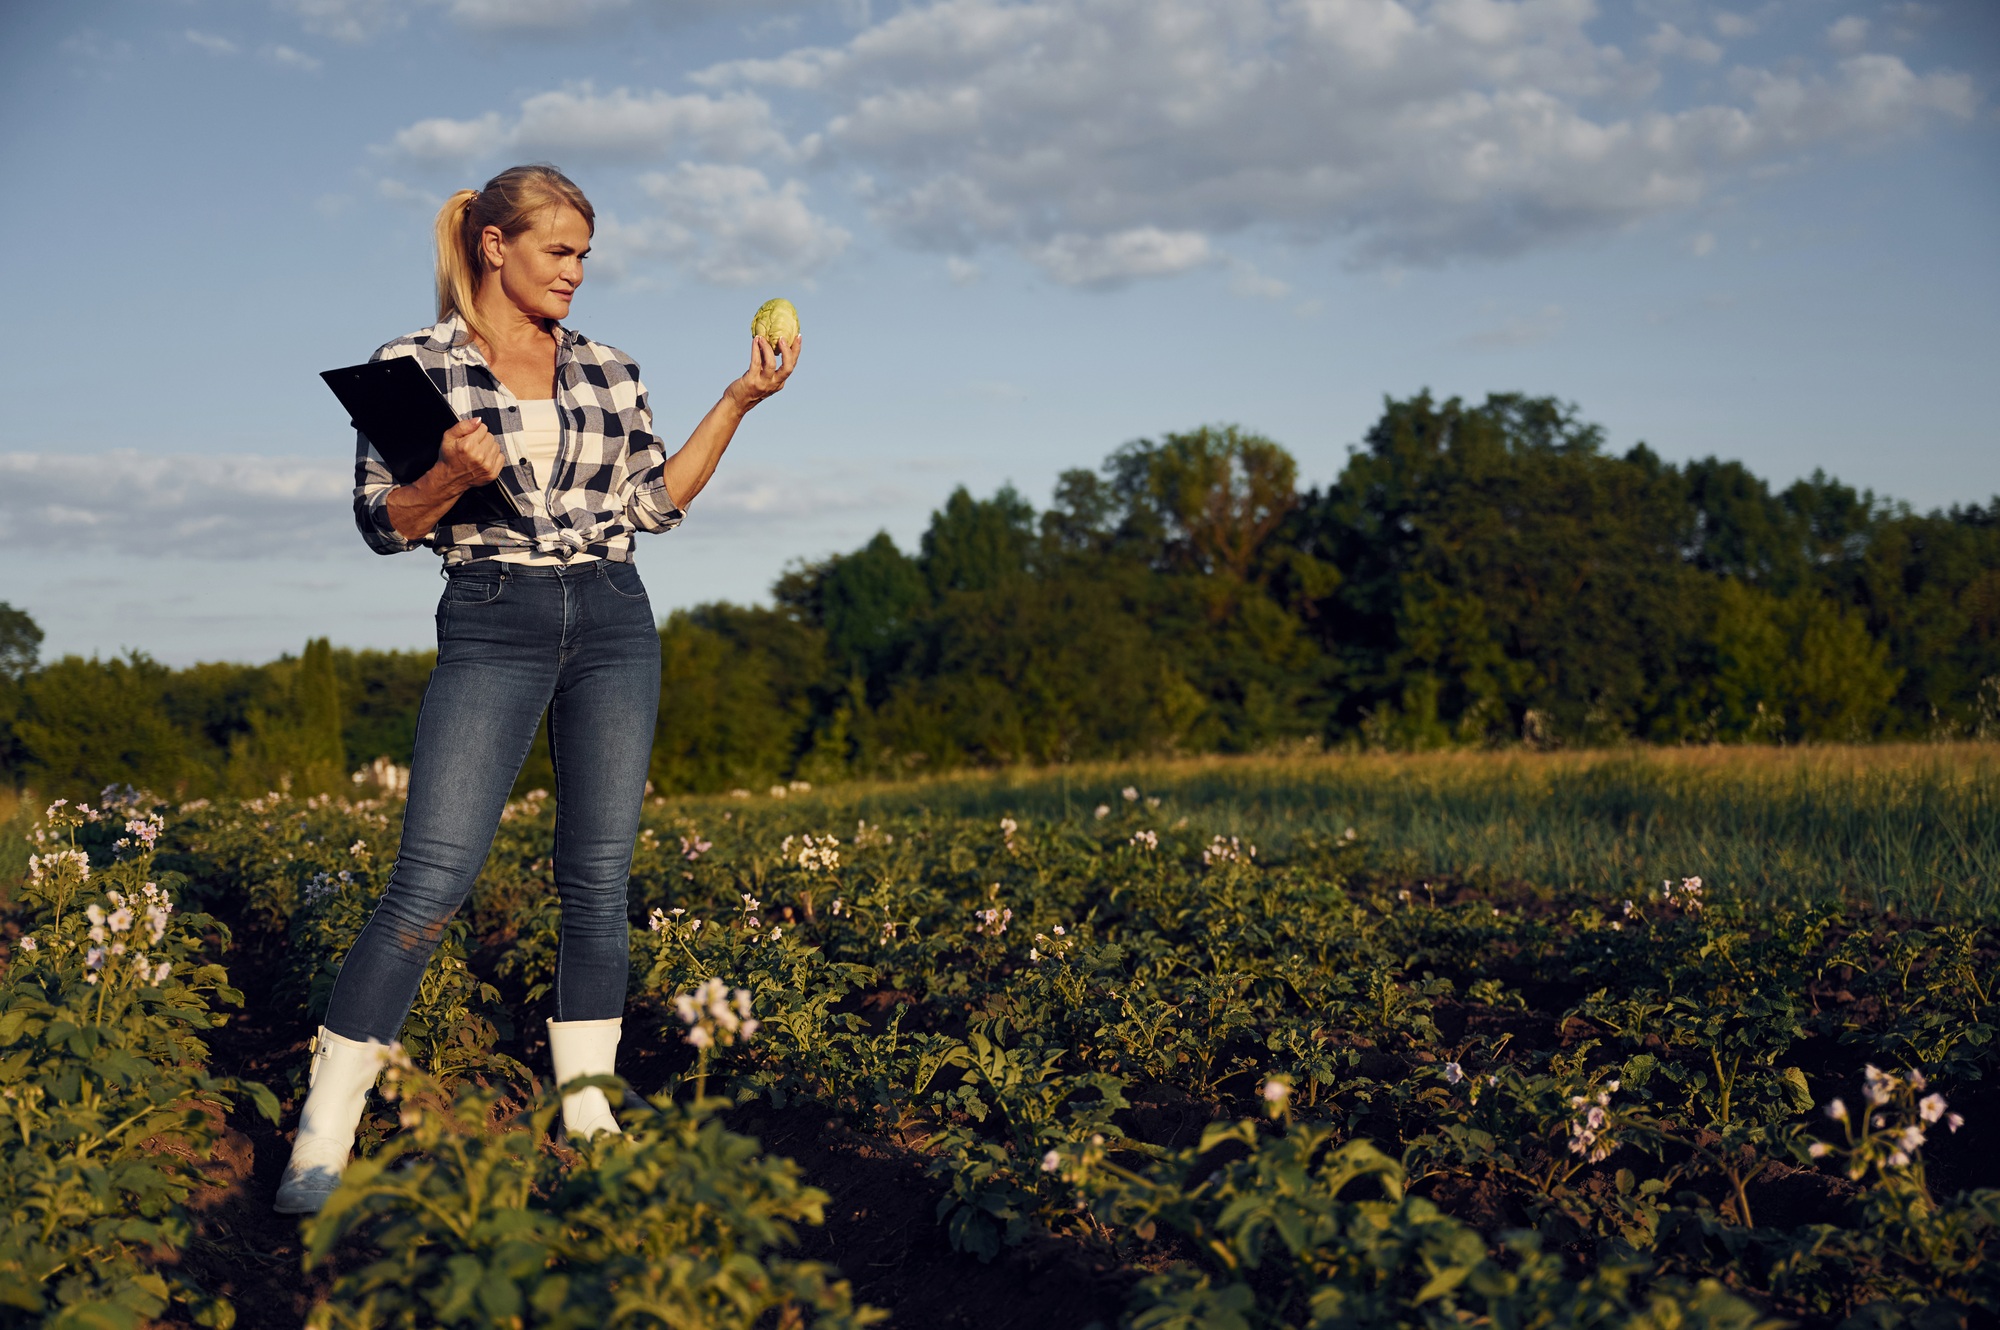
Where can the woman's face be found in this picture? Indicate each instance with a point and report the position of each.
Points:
(541, 267)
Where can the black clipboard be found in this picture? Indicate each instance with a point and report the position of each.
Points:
(403, 414)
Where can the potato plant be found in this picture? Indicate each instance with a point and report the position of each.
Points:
(1290, 1086)
(108, 1106)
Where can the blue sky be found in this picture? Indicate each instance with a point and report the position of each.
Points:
(1019, 235)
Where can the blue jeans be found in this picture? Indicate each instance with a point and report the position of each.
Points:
(513, 641)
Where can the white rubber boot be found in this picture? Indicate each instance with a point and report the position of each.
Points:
(585, 1048)
(343, 1071)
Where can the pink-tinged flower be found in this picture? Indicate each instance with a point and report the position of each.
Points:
(1103, 811)
(163, 972)
(1932, 1107)
(1453, 1073)
(1910, 1138)
(27, 944)
(699, 1037)
(1837, 1110)
(1819, 1150)
(1276, 1091)
(1051, 1162)
(1129, 794)
(1953, 1121)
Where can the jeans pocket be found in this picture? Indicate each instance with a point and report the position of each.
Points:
(474, 589)
(623, 579)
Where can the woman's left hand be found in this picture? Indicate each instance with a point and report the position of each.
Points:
(765, 375)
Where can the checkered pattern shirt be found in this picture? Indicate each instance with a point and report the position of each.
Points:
(607, 480)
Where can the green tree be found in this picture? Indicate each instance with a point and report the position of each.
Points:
(1214, 495)
(20, 643)
(1497, 563)
(86, 724)
(977, 544)
(870, 603)
(736, 697)
(294, 740)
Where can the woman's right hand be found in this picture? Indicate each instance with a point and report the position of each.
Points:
(469, 456)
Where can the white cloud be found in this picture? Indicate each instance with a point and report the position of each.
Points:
(361, 20)
(1668, 40)
(582, 122)
(211, 43)
(1848, 34)
(1245, 280)
(1702, 245)
(152, 506)
(750, 497)
(348, 20)
(725, 224)
(963, 272)
(205, 506)
(1108, 141)
(1076, 259)
(533, 14)
(441, 140)
(1112, 139)
(285, 55)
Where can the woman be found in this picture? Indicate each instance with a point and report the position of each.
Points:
(544, 612)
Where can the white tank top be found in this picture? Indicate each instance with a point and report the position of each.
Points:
(539, 437)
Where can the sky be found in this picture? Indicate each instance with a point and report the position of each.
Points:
(1020, 233)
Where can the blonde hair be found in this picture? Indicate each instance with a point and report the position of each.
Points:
(512, 201)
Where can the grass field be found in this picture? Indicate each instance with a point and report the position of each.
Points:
(1341, 1041)
(1912, 829)
(1909, 829)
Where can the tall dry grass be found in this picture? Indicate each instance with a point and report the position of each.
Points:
(1911, 829)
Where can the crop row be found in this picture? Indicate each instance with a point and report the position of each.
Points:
(1274, 1089)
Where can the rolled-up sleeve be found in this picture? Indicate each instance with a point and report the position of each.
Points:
(650, 507)
(372, 483)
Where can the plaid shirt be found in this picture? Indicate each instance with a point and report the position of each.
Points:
(608, 472)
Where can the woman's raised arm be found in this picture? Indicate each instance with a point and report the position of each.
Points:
(687, 472)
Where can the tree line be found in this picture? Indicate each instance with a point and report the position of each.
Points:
(1479, 574)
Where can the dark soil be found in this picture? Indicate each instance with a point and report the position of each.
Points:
(880, 1227)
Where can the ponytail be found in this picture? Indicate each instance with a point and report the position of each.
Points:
(458, 259)
(512, 201)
